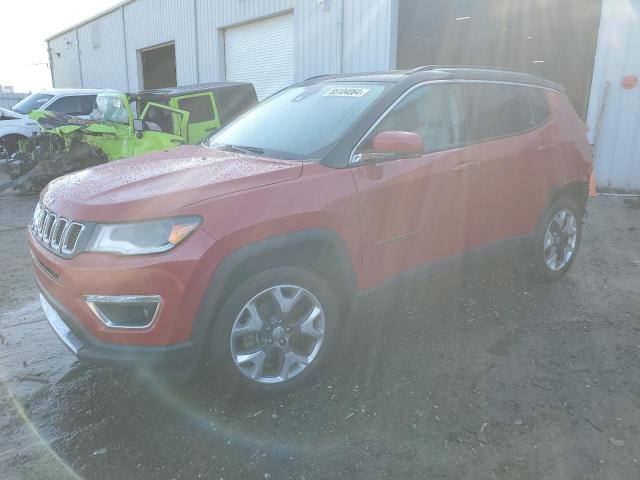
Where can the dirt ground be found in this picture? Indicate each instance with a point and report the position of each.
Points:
(490, 377)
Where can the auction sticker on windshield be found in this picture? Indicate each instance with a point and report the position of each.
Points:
(347, 92)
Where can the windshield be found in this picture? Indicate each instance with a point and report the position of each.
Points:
(31, 103)
(300, 122)
(110, 108)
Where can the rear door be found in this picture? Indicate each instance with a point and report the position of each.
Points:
(508, 148)
(203, 115)
(420, 209)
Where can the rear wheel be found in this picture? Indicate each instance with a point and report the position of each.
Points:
(275, 331)
(557, 240)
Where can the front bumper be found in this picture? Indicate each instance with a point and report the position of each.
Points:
(182, 356)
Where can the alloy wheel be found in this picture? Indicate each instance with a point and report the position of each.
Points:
(560, 240)
(277, 334)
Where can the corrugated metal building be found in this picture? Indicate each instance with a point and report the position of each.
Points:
(226, 40)
(273, 43)
(614, 108)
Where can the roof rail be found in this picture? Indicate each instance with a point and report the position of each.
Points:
(315, 77)
(427, 68)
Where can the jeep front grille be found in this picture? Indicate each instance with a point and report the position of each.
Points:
(56, 233)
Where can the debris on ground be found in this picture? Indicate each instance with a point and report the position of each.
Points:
(46, 156)
(617, 442)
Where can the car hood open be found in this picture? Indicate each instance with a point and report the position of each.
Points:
(156, 184)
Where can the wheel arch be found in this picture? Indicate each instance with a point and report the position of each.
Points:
(577, 191)
(321, 251)
(12, 135)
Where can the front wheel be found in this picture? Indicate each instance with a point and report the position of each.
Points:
(557, 240)
(274, 332)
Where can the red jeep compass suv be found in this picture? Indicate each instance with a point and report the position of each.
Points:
(246, 252)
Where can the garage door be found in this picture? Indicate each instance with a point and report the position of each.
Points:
(261, 53)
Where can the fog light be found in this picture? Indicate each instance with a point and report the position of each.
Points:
(125, 311)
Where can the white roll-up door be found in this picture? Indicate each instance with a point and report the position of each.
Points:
(262, 53)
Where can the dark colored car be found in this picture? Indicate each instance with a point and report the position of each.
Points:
(248, 253)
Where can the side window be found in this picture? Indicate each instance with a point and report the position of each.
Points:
(86, 104)
(74, 105)
(67, 105)
(159, 120)
(495, 111)
(430, 111)
(539, 105)
(200, 108)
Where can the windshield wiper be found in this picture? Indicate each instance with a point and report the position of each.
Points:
(242, 149)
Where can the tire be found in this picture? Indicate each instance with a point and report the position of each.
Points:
(538, 260)
(276, 375)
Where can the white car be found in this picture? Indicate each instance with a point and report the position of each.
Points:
(15, 123)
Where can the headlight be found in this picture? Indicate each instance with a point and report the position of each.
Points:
(141, 238)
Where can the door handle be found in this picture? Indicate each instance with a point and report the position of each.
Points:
(465, 166)
(546, 146)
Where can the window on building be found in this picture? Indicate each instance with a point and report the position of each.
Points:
(495, 111)
(199, 107)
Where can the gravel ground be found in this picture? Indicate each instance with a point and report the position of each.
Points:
(485, 377)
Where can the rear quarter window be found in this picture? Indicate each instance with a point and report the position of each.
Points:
(539, 106)
(496, 110)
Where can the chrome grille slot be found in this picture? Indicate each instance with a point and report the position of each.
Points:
(58, 232)
(43, 217)
(48, 227)
(71, 237)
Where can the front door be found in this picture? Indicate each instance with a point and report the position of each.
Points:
(422, 209)
(163, 128)
(203, 115)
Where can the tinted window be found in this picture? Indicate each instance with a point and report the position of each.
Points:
(539, 105)
(86, 104)
(495, 111)
(74, 105)
(432, 112)
(200, 108)
(233, 101)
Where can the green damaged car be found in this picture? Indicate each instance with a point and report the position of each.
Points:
(124, 125)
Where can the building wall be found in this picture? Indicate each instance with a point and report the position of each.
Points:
(102, 52)
(616, 131)
(330, 36)
(63, 51)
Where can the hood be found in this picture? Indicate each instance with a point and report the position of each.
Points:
(10, 114)
(156, 184)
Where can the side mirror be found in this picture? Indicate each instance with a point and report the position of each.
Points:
(398, 142)
(138, 127)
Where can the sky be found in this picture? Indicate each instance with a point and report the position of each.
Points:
(25, 25)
